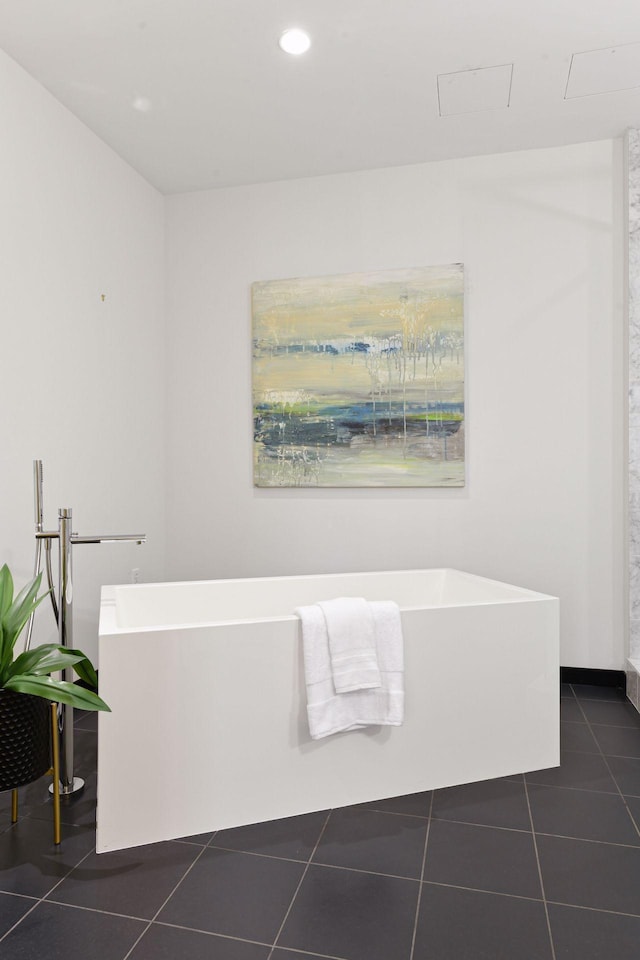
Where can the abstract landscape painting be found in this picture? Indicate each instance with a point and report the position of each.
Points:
(358, 380)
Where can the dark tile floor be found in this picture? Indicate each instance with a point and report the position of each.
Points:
(544, 866)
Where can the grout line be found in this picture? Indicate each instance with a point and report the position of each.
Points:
(391, 813)
(163, 904)
(492, 893)
(190, 843)
(564, 786)
(18, 922)
(307, 953)
(544, 833)
(633, 819)
(616, 726)
(304, 873)
(258, 943)
(606, 843)
(19, 896)
(544, 899)
(580, 906)
(68, 873)
(254, 853)
(587, 721)
(370, 873)
(606, 762)
(210, 842)
(598, 699)
(487, 826)
(424, 861)
(42, 899)
(208, 933)
(596, 723)
(321, 863)
(107, 913)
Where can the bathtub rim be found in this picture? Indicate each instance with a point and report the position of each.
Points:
(108, 624)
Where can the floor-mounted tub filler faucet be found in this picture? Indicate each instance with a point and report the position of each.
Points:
(63, 606)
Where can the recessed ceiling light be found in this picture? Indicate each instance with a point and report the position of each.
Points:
(141, 104)
(295, 41)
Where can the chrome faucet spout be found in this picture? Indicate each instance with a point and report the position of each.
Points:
(110, 538)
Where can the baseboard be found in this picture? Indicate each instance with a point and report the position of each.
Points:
(597, 678)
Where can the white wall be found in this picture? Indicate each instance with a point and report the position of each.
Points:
(540, 234)
(82, 379)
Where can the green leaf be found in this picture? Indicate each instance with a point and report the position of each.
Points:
(16, 617)
(84, 668)
(6, 596)
(6, 590)
(24, 601)
(49, 658)
(30, 671)
(60, 691)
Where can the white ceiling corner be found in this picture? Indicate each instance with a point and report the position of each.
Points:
(195, 95)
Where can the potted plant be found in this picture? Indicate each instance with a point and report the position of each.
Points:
(27, 687)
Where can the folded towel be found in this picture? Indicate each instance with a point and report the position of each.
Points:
(352, 645)
(330, 712)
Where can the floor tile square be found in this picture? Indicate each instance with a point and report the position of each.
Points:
(172, 943)
(571, 710)
(626, 773)
(30, 798)
(133, 882)
(85, 751)
(483, 858)
(593, 935)
(356, 916)
(455, 924)
(236, 894)
(412, 804)
(583, 771)
(12, 909)
(371, 840)
(280, 954)
(622, 714)
(586, 874)
(582, 814)
(577, 737)
(30, 862)
(633, 805)
(87, 720)
(243, 905)
(566, 693)
(77, 809)
(618, 741)
(495, 803)
(52, 931)
(293, 837)
(589, 691)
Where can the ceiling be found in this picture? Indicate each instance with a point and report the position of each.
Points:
(197, 94)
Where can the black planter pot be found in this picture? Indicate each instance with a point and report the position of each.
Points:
(25, 738)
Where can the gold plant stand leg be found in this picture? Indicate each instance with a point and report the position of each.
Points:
(55, 772)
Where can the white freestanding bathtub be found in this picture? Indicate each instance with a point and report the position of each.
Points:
(208, 726)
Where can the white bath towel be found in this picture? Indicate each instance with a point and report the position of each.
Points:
(352, 644)
(330, 712)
